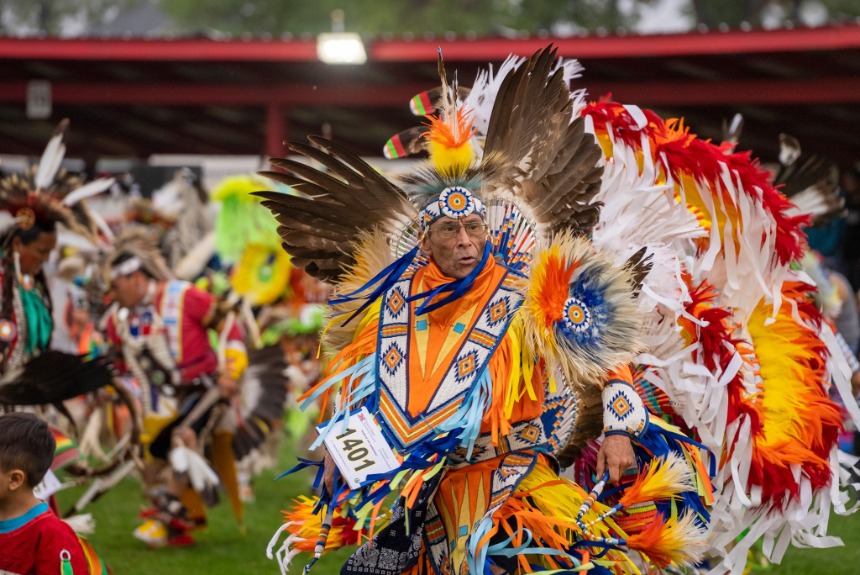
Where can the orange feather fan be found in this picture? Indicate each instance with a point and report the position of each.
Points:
(676, 540)
(551, 281)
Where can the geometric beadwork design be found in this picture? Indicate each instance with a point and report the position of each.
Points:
(456, 202)
(393, 357)
(530, 433)
(623, 409)
(397, 329)
(620, 406)
(576, 315)
(466, 366)
(547, 433)
(498, 312)
(395, 303)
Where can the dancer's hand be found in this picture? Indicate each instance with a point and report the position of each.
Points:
(615, 456)
(328, 474)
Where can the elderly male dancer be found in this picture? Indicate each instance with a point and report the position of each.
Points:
(473, 336)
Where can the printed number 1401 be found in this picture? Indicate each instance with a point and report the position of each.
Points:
(354, 449)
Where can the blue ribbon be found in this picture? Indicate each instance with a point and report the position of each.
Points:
(388, 277)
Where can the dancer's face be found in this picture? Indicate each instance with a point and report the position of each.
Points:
(130, 290)
(34, 255)
(456, 245)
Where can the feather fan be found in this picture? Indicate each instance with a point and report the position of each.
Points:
(52, 377)
(319, 228)
(553, 165)
(811, 182)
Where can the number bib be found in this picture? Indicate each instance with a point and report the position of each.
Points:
(360, 450)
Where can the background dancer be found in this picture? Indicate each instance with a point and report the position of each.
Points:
(160, 328)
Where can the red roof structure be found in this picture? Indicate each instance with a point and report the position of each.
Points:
(136, 97)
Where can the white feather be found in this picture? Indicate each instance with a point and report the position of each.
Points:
(7, 220)
(102, 225)
(51, 159)
(82, 524)
(811, 201)
(88, 190)
(89, 445)
(484, 91)
(102, 484)
(67, 238)
(284, 555)
(192, 263)
(186, 460)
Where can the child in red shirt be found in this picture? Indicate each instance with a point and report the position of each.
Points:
(33, 541)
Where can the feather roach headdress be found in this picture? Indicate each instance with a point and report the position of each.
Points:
(532, 145)
(135, 249)
(46, 194)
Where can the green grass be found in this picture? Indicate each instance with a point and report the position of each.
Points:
(834, 561)
(222, 549)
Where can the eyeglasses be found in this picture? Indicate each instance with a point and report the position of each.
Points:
(448, 231)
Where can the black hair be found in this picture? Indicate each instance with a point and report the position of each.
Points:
(31, 234)
(26, 443)
(39, 227)
(28, 236)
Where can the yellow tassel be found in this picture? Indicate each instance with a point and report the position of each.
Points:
(665, 479)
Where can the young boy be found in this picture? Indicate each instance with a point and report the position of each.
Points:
(33, 541)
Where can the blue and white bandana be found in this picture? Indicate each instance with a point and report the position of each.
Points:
(454, 202)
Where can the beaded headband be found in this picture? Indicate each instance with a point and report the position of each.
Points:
(454, 202)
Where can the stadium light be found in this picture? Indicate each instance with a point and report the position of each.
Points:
(341, 48)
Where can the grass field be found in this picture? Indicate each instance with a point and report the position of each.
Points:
(222, 549)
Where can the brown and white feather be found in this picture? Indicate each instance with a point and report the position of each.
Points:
(321, 227)
(554, 164)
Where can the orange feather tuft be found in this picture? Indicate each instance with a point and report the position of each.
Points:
(551, 283)
(676, 540)
(665, 479)
(450, 148)
(451, 136)
(306, 526)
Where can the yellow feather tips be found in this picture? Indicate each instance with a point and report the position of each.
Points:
(678, 540)
(450, 145)
(521, 374)
(699, 477)
(372, 254)
(789, 352)
(665, 479)
(546, 505)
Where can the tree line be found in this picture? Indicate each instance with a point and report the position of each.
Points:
(375, 17)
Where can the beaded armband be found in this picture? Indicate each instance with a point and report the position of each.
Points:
(623, 410)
